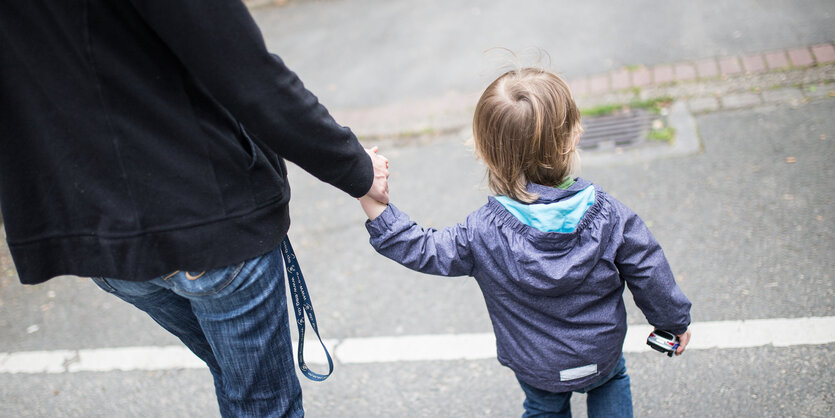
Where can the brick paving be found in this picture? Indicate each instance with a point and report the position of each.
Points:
(824, 53)
(685, 72)
(777, 60)
(753, 64)
(599, 84)
(789, 76)
(707, 69)
(663, 74)
(801, 57)
(620, 80)
(729, 66)
(641, 77)
(579, 86)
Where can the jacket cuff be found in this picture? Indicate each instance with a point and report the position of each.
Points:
(383, 223)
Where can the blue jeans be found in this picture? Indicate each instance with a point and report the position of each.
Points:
(608, 397)
(235, 319)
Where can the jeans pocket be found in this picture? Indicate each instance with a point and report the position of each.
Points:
(104, 284)
(204, 283)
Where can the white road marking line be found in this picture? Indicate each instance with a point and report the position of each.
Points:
(135, 358)
(417, 348)
(35, 361)
(780, 332)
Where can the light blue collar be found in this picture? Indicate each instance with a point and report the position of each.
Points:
(557, 216)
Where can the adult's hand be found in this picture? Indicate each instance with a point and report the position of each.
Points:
(380, 187)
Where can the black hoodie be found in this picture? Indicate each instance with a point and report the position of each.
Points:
(147, 136)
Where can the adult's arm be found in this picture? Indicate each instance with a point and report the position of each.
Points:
(221, 46)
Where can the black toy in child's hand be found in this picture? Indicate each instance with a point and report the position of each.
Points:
(663, 341)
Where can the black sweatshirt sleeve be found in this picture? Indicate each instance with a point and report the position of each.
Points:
(221, 46)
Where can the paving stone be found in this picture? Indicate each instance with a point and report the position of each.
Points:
(663, 74)
(801, 57)
(788, 94)
(599, 84)
(707, 68)
(824, 54)
(620, 80)
(729, 66)
(446, 114)
(685, 72)
(753, 63)
(641, 77)
(817, 91)
(579, 87)
(703, 104)
(734, 101)
(777, 60)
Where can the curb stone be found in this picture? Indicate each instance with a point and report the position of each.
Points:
(817, 91)
(703, 104)
(788, 94)
(738, 100)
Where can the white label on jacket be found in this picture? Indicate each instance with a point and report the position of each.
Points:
(578, 372)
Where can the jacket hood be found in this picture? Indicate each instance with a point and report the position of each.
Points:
(556, 247)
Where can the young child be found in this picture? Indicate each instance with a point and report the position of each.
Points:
(551, 253)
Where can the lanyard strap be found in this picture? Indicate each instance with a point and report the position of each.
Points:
(301, 304)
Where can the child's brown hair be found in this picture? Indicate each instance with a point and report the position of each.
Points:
(525, 129)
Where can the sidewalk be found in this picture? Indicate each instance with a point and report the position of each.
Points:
(791, 76)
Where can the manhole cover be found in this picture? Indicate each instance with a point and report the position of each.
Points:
(621, 130)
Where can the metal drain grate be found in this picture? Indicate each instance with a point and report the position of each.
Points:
(616, 131)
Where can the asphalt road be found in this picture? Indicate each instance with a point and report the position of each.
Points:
(748, 234)
(748, 230)
(375, 52)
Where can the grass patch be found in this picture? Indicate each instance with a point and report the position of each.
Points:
(602, 110)
(664, 134)
(653, 105)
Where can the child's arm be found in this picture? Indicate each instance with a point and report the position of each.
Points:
(643, 266)
(394, 235)
(372, 208)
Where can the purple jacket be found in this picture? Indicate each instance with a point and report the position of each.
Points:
(554, 298)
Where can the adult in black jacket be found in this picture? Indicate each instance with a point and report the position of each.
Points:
(142, 144)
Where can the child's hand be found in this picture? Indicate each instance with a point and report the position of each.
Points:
(683, 339)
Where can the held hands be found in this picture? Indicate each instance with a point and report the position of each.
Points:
(375, 201)
(379, 188)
